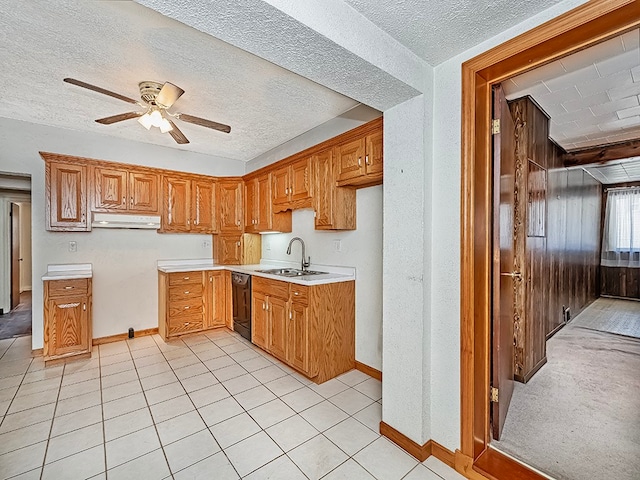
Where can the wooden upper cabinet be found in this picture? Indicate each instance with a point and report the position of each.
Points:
(259, 214)
(125, 191)
(230, 193)
(203, 207)
(359, 161)
(176, 204)
(250, 204)
(66, 197)
(292, 186)
(335, 207)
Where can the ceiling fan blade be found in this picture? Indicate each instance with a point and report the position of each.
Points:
(119, 118)
(168, 94)
(203, 122)
(177, 135)
(88, 86)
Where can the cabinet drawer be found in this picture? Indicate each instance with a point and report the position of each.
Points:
(185, 308)
(185, 292)
(184, 278)
(300, 294)
(65, 288)
(185, 325)
(272, 288)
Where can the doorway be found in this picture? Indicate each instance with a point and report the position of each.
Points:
(583, 26)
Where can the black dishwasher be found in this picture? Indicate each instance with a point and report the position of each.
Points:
(241, 296)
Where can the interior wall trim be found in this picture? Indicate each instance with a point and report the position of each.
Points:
(592, 22)
(421, 452)
(123, 336)
(372, 372)
(38, 352)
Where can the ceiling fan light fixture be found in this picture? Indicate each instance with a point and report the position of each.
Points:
(145, 121)
(165, 126)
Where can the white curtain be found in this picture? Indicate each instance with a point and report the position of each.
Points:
(621, 233)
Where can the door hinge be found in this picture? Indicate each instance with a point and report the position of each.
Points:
(495, 126)
(494, 395)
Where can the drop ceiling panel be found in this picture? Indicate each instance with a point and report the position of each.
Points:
(616, 172)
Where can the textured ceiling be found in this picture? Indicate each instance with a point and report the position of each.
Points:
(592, 96)
(436, 30)
(116, 44)
(617, 172)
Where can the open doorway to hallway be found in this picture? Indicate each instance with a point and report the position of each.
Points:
(573, 413)
(15, 255)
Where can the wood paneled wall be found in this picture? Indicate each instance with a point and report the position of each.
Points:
(556, 235)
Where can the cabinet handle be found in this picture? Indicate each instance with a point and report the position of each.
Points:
(68, 287)
(187, 307)
(359, 161)
(263, 307)
(131, 200)
(186, 324)
(296, 293)
(286, 191)
(211, 279)
(291, 190)
(238, 243)
(69, 305)
(186, 278)
(238, 223)
(84, 306)
(366, 160)
(290, 315)
(186, 292)
(124, 200)
(188, 222)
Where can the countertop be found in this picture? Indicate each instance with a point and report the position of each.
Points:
(68, 271)
(334, 274)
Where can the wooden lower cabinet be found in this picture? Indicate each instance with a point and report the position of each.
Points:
(311, 328)
(190, 302)
(67, 318)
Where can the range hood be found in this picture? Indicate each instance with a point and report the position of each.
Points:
(122, 220)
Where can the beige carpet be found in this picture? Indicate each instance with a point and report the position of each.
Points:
(579, 416)
(612, 315)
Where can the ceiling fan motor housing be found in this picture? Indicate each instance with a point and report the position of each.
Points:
(149, 91)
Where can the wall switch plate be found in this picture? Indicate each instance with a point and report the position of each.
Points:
(337, 245)
(73, 246)
(267, 243)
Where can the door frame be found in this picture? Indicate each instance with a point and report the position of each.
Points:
(587, 24)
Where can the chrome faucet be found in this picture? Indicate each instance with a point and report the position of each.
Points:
(305, 263)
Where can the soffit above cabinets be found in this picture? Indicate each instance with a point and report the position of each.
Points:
(117, 44)
(621, 171)
(592, 96)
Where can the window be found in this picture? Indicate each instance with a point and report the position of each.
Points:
(621, 233)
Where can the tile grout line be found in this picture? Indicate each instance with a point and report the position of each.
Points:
(104, 433)
(53, 417)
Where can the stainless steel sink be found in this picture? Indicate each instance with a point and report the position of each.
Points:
(291, 272)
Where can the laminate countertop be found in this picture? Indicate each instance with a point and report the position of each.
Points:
(68, 271)
(334, 274)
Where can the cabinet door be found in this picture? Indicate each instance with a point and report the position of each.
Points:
(324, 185)
(203, 206)
(350, 159)
(67, 327)
(259, 319)
(298, 333)
(110, 189)
(230, 206)
(228, 249)
(280, 186)
(250, 205)
(67, 199)
(143, 192)
(176, 204)
(300, 181)
(373, 157)
(278, 319)
(263, 204)
(215, 299)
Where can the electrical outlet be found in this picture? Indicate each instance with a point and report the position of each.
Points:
(73, 246)
(206, 244)
(337, 245)
(267, 242)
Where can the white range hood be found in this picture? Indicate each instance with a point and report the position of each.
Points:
(123, 220)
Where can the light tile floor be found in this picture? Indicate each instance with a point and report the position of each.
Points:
(207, 406)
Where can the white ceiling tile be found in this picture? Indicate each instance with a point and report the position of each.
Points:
(616, 93)
(600, 119)
(628, 112)
(612, 107)
(513, 91)
(550, 70)
(558, 97)
(625, 61)
(602, 84)
(620, 124)
(631, 39)
(588, 56)
(572, 116)
(553, 110)
(586, 102)
(635, 73)
(569, 79)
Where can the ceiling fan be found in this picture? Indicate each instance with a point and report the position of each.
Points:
(157, 98)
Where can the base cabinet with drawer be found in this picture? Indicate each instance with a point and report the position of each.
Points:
(67, 318)
(310, 328)
(190, 302)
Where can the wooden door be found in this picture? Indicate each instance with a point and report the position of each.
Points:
(280, 186)
(300, 181)
(110, 189)
(15, 255)
(67, 326)
(143, 192)
(203, 206)
(350, 159)
(228, 249)
(263, 205)
(324, 185)
(278, 319)
(176, 193)
(298, 343)
(373, 156)
(250, 205)
(230, 210)
(503, 274)
(67, 199)
(259, 319)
